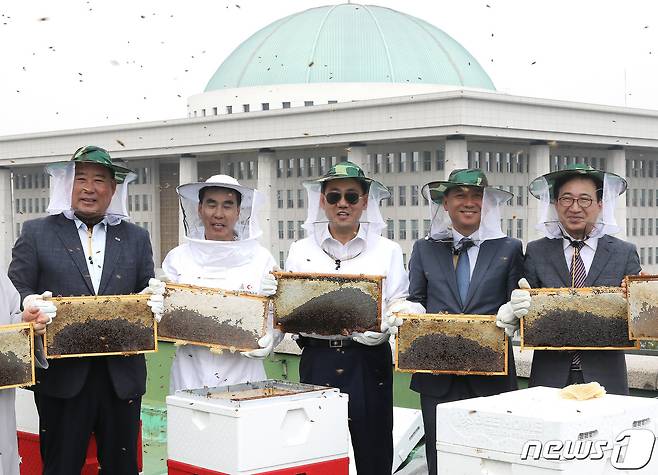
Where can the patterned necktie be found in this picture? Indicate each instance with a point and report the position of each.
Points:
(578, 275)
(463, 270)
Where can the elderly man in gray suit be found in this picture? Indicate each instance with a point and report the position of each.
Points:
(86, 248)
(577, 218)
(465, 265)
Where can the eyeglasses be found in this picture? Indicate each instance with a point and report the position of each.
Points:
(333, 197)
(583, 201)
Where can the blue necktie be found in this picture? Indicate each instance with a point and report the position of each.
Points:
(463, 270)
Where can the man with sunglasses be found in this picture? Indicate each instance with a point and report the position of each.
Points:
(577, 218)
(466, 265)
(344, 224)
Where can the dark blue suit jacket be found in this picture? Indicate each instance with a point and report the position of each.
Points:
(433, 283)
(48, 256)
(545, 266)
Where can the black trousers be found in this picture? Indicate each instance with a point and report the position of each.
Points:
(65, 426)
(458, 391)
(366, 374)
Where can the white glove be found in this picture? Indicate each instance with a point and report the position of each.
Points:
(371, 338)
(510, 313)
(48, 308)
(268, 285)
(267, 344)
(390, 322)
(156, 288)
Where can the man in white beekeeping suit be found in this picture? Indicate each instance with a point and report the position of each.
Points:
(344, 225)
(221, 250)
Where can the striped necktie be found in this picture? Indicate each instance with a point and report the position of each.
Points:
(578, 275)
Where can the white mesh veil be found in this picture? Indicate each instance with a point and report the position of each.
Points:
(490, 215)
(548, 222)
(62, 175)
(371, 219)
(247, 225)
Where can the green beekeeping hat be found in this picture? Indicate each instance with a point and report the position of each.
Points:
(473, 177)
(99, 156)
(344, 170)
(572, 170)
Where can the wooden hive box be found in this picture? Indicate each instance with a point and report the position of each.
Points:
(327, 304)
(213, 317)
(587, 318)
(101, 325)
(16, 355)
(642, 306)
(451, 344)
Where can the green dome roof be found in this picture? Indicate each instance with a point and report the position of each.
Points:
(349, 43)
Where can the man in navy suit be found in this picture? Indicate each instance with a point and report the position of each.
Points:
(86, 248)
(465, 265)
(577, 219)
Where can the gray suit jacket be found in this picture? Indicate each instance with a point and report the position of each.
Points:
(433, 283)
(545, 266)
(48, 256)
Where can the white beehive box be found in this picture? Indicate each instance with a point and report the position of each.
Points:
(487, 435)
(256, 427)
(27, 417)
(408, 429)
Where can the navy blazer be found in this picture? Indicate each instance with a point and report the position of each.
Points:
(48, 255)
(545, 266)
(433, 283)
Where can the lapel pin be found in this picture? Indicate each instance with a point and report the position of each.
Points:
(118, 239)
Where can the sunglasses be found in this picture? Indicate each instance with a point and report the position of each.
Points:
(333, 197)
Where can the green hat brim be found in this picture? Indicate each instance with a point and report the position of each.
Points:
(552, 177)
(435, 190)
(119, 172)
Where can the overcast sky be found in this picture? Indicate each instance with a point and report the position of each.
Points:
(81, 63)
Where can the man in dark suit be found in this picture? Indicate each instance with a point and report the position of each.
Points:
(579, 252)
(85, 248)
(465, 265)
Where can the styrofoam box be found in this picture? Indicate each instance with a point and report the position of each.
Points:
(27, 417)
(254, 435)
(487, 435)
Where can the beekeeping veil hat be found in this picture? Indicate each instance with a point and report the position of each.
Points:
(371, 219)
(62, 175)
(546, 187)
(492, 200)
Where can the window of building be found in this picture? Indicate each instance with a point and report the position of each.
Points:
(289, 201)
(508, 163)
(511, 190)
(285, 105)
(241, 170)
(642, 223)
(650, 200)
(402, 234)
(427, 161)
(279, 199)
(300, 229)
(137, 207)
(519, 228)
(426, 226)
(378, 161)
(229, 109)
(44, 205)
(642, 254)
(520, 163)
(300, 199)
(279, 168)
(311, 166)
(635, 197)
(17, 205)
(440, 159)
(29, 205)
(245, 107)
(643, 197)
(650, 227)
(389, 162)
(291, 230)
(308, 103)
(280, 223)
(404, 259)
(402, 191)
(390, 229)
(487, 161)
(414, 229)
(36, 205)
(282, 259)
(23, 205)
(650, 255)
(231, 169)
(265, 106)
(332, 102)
(499, 164)
(634, 227)
(251, 169)
(415, 159)
(29, 181)
(322, 165)
(390, 201)
(146, 202)
(510, 223)
(291, 167)
(403, 162)
(519, 195)
(414, 195)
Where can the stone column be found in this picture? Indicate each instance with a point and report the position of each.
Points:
(357, 153)
(539, 163)
(187, 173)
(616, 164)
(6, 219)
(265, 185)
(456, 154)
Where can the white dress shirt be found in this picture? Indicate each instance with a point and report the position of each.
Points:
(93, 245)
(586, 252)
(473, 251)
(339, 251)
